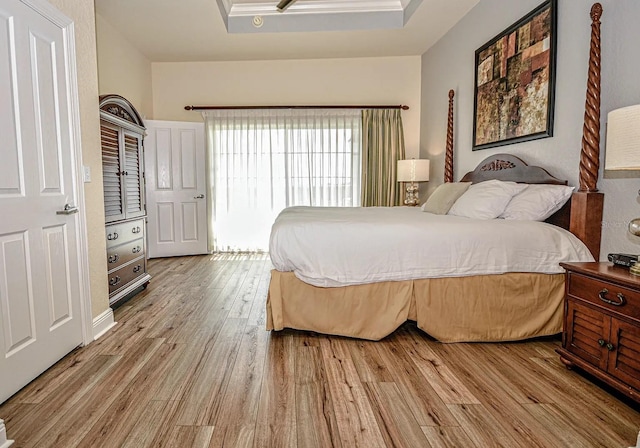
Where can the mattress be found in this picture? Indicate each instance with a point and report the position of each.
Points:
(343, 246)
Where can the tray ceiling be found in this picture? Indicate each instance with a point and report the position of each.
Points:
(195, 30)
(262, 16)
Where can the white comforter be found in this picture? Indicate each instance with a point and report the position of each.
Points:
(335, 246)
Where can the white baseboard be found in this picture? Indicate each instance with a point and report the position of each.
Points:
(102, 323)
(4, 443)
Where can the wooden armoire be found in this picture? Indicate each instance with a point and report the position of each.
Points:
(121, 135)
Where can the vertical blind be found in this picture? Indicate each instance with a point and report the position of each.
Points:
(261, 161)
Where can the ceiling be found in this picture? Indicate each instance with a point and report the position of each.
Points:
(195, 30)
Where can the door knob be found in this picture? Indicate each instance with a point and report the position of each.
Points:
(200, 196)
(68, 210)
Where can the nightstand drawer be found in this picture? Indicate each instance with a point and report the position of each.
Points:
(605, 294)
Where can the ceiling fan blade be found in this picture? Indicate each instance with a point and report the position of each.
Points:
(284, 4)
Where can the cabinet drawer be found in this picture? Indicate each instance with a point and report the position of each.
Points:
(124, 253)
(124, 232)
(126, 274)
(600, 293)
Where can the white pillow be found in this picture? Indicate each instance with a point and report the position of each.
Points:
(486, 200)
(537, 202)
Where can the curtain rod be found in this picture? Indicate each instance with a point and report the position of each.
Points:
(403, 107)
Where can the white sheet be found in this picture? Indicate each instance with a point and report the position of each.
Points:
(339, 246)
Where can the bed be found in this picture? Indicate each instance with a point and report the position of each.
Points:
(453, 305)
(490, 291)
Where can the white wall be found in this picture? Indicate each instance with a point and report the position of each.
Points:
(449, 65)
(122, 69)
(83, 14)
(392, 80)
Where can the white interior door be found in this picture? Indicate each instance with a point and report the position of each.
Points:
(175, 178)
(40, 230)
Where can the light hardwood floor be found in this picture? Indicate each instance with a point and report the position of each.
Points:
(190, 365)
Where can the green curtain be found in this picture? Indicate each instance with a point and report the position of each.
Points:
(382, 147)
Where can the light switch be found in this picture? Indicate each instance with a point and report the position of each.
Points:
(87, 173)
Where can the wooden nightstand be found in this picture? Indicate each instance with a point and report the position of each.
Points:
(601, 333)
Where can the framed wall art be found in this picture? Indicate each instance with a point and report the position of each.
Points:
(515, 81)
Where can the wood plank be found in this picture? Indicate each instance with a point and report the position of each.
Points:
(28, 427)
(395, 420)
(122, 416)
(153, 424)
(587, 404)
(481, 427)
(172, 387)
(425, 404)
(188, 436)
(200, 403)
(235, 426)
(79, 419)
(68, 367)
(368, 362)
(257, 315)
(567, 434)
(276, 424)
(243, 302)
(501, 396)
(442, 380)
(441, 437)
(355, 419)
(315, 418)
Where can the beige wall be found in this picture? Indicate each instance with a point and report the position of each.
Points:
(82, 13)
(392, 80)
(449, 65)
(123, 69)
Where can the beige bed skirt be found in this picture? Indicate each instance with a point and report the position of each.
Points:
(507, 307)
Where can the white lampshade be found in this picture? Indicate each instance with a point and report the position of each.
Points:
(414, 170)
(623, 139)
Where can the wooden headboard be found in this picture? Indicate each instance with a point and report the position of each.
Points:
(582, 215)
(509, 168)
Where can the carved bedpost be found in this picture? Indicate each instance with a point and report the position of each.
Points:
(448, 158)
(590, 154)
(587, 203)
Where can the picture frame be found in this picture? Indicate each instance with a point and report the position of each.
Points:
(514, 89)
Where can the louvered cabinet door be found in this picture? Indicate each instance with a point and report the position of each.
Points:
(112, 172)
(587, 333)
(624, 359)
(134, 175)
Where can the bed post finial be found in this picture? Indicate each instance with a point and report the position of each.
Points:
(448, 158)
(590, 154)
(587, 204)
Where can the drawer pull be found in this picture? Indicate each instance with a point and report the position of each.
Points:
(113, 258)
(601, 342)
(603, 296)
(610, 347)
(112, 236)
(137, 269)
(136, 249)
(136, 229)
(114, 280)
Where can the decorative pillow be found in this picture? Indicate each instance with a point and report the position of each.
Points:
(486, 200)
(444, 196)
(537, 202)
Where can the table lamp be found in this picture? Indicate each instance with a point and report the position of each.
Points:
(623, 151)
(412, 171)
